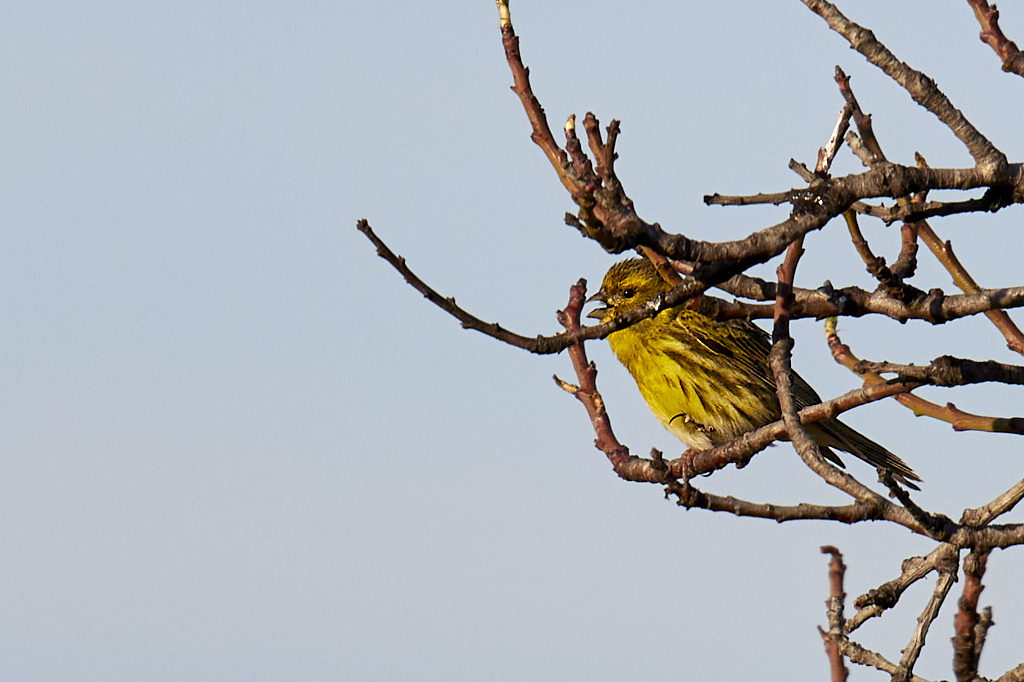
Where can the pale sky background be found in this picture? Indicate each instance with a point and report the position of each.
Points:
(234, 445)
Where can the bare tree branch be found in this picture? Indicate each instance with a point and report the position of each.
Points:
(960, 420)
(1015, 675)
(944, 252)
(836, 622)
(586, 371)
(988, 17)
(1001, 505)
(862, 656)
(948, 371)
(873, 603)
(913, 649)
(920, 87)
(965, 650)
(690, 497)
(850, 301)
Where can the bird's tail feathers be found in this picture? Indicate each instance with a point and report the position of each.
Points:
(841, 437)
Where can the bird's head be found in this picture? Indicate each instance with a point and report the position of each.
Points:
(626, 285)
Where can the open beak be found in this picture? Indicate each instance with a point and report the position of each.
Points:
(597, 313)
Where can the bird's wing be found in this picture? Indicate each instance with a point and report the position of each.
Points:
(753, 346)
(738, 342)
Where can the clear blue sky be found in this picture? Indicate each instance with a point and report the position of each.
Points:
(234, 445)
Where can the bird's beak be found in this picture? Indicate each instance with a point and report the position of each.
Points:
(597, 313)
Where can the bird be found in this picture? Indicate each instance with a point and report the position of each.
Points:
(709, 381)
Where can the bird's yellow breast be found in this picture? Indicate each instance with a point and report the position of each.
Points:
(702, 397)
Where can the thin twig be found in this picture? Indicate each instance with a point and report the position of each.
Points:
(1001, 505)
(885, 596)
(541, 345)
(863, 656)
(960, 420)
(447, 304)
(944, 253)
(949, 371)
(690, 497)
(866, 132)
(586, 392)
(920, 87)
(913, 649)
(965, 650)
(782, 344)
(991, 34)
(849, 301)
(836, 623)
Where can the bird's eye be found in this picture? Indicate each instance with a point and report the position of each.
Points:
(628, 293)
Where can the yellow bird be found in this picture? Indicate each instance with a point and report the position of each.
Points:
(708, 381)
